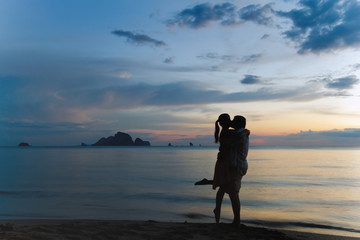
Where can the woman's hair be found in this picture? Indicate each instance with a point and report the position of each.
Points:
(221, 120)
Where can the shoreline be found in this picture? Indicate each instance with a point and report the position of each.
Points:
(137, 230)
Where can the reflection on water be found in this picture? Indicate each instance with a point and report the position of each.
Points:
(292, 188)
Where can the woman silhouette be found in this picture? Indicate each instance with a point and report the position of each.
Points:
(221, 173)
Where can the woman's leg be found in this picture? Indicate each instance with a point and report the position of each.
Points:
(219, 198)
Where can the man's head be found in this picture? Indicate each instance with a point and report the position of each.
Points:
(239, 122)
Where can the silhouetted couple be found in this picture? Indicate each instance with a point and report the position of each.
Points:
(231, 164)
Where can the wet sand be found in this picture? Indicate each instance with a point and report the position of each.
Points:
(136, 230)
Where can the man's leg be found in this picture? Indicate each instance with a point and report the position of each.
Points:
(235, 203)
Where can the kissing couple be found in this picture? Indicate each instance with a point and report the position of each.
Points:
(231, 164)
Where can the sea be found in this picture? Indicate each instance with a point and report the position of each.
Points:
(314, 190)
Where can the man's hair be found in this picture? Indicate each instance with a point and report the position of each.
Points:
(239, 121)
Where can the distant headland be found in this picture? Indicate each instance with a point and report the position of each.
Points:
(120, 139)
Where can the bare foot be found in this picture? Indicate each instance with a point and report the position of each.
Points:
(217, 215)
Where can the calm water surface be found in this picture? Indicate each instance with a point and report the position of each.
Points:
(302, 189)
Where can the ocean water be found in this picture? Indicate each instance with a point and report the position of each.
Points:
(315, 190)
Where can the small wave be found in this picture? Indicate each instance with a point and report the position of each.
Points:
(8, 192)
(30, 194)
(170, 197)
(196, 216)
(329, 167)
(260, 159)
(299, 224)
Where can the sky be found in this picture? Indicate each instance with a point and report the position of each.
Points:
(76, 71)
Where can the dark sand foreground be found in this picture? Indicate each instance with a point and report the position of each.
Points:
(136, 230)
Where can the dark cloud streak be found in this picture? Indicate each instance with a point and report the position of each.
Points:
(140, 39)
(252, 58)
(231, 58)
(250, 79)
(342, 83)
(76, 104)
(177, 94)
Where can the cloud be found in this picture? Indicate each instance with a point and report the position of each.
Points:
(202, 15)
(250, 79)
(133, 96)
(169, 60)
(356, 66)
(77, 105)
(226, 62)
(257, 14)
(216, 56)
(349, 137)
(251, 58)
(342, 83)
(324, 25)
(210, 55)
(139, 39)
(265, 36)
(316, 26)
(46, 133)
(231, 58)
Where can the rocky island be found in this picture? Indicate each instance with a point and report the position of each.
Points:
(121, 139)
(24, 144)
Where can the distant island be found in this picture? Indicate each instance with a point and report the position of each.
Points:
(121, 139)
(24, 144)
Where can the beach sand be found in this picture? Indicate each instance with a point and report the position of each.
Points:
(136, 230)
